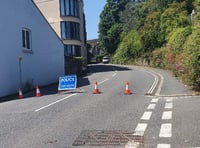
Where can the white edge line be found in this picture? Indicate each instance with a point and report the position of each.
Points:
(55, 102)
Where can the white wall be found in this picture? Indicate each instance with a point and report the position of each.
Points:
(44, 65)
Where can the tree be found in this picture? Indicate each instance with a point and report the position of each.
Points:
(173, 17)
(109, 26)
(129, 49)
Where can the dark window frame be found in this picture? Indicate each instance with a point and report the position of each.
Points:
(72, 50)
(69, 8)
(70, 30)
(26, 40)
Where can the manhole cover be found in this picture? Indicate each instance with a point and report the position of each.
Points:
(108, 138)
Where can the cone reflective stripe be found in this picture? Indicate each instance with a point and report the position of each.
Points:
(127, 91)
(20, 94)
(96, 90)
(38, 94)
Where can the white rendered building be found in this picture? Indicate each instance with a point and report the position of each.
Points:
(31, 51)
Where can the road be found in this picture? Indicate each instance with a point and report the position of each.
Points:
(160, 112)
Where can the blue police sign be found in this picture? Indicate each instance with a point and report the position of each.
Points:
(67, 82)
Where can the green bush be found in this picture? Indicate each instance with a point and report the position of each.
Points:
(159, 58)
(129, 49)
(191, 59)
(75, 65)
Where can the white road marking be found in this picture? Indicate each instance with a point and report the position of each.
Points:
(163, 146)
(151, 106)
(160, 85)
(55, 102)
(140, 129)
(154, 83)
(167, 115)
(166, 130)
(169, 99)
(168, 105)
(103, 81)
(146, 116)
(154, 100)
(114, 74)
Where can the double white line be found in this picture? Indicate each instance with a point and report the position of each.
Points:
(155, 83)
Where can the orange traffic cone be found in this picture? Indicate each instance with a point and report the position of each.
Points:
(20, 94)
(38, 94)
(127, 91)
(96, 90)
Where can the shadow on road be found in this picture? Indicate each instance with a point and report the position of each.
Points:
(96, 68)
(81, 81)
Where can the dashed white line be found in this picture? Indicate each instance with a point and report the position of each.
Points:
(140, 129)
(146, 116)
(151, 106)
(103, 81)
(163, 146)
(168, 105)
(169, 100)
(167, 115)
(154, 100)
(114, 74)
(166, 130)
(55, 102)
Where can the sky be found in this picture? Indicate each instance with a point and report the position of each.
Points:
(93, 9)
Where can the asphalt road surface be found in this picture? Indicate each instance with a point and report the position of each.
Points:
(160, 112)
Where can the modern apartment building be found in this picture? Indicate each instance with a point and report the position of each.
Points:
(67, 19)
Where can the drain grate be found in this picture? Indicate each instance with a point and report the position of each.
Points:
(107, 138)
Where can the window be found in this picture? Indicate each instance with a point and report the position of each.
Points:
(70, 30)
(69, 8)
(26, 38)
(73, 50)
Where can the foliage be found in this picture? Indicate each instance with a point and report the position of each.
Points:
(177, 38)
(173, 17)
(159, 59)
(130, 48)
(111, 40)
(196, 20)
(164, 32)
(191, 57)
(151, 32)
(109, 26)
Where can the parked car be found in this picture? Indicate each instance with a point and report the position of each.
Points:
(105, 60)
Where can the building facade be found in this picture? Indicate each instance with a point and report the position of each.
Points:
(31, 52)
(68, 20)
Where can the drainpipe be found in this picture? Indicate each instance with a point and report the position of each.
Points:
(20, 72)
